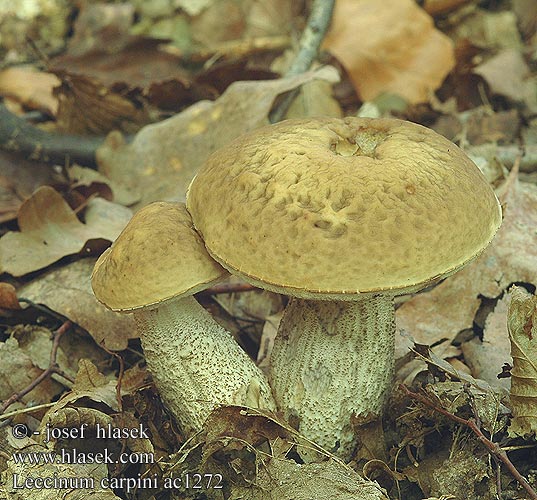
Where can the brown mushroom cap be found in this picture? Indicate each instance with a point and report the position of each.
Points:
(158, 256)
(328, 208)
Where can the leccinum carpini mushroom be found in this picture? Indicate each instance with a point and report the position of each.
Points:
(342, 215)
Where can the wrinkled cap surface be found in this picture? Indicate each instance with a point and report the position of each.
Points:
(334, 207)
(158, 256)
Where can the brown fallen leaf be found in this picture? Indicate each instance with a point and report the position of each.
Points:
(67, 290)
(88, 107)
(506, 74)
(512, 257)
(19, 178)
(50, 230)
(18, 370)
(522, 323)
(163, 158)
(8, 296)
(486, 357)
(390, 46)
(278, 478)
(30, 87)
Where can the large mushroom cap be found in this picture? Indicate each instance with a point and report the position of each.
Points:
(334, 207)
(158, 256)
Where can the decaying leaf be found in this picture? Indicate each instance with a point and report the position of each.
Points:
(507, 62)
(8, 296)
(374, 42)
(522, 323)
(440, 475)
(280, 478)
(18, 370)
(511, 257)
(163, 158)
(67, 290)
(485, 356)
(82, 176)
(50, 230)
(88, 107)
(249, 448)
(30, 87)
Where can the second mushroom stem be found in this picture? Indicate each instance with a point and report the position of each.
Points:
(197, 364)
(332, 364)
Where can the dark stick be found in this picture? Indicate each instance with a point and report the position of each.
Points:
(52, 368)
(493, 448)
(18, 136)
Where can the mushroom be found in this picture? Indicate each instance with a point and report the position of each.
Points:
(152, 270)
(342, 215)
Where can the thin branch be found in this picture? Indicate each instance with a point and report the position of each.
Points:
(232, 49)
(312, 37)
(18, 136)
(52, 368)
(493, 448)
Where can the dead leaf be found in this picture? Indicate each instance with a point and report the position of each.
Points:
(511, 257)
(522, 323)
(67, 290)
(279, 478)
(18, 370)
(32, 88)
(88, 107)
(8, 296)
(488, 29)
(506, 73)
(163, 158)
(19, 178)
(50, 230)
(374, 43)
(440, 474)
(82, 176)
(486, 357)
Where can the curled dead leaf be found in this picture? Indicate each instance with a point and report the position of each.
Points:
(522, 323)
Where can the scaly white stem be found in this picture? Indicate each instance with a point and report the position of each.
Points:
(333, 361)
(196, 364)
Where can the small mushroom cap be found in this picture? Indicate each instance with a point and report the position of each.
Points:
(331, 208)
(158, 256)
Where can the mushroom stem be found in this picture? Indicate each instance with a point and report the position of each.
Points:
(332, 364)
(196, 364)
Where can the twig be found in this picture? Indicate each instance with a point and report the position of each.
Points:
(232, 49)
(18, 136)
(310, 41)
(23, 411)
(493, 448)
(52, 368)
